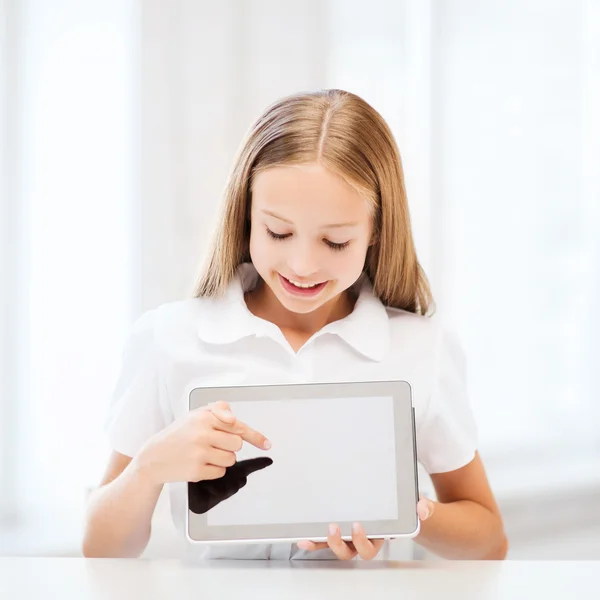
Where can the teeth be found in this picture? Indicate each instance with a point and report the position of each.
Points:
(303, 285)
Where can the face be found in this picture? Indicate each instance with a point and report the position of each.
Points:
(310, 231)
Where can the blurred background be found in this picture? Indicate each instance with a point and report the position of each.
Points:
(119, 120)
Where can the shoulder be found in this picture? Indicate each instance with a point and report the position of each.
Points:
(407, 327)
(432, 335)
(173, 321)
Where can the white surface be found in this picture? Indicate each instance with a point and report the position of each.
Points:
(359, 436)
(113, 579)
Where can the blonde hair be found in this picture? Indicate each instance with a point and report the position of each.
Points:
(343, 133)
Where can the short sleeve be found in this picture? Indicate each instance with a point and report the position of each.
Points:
(447, 436)
(135, 412)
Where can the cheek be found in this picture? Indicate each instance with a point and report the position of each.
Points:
(262, 250)
(349, 263)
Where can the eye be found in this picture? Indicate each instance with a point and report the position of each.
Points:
(335, 246)
(278, 236)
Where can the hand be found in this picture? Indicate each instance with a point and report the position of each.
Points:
(204, 495)
(361, 545)
(425, 508)
(199, 446)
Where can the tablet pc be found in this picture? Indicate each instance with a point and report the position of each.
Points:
(341, 453)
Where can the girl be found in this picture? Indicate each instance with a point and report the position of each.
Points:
(312, 276)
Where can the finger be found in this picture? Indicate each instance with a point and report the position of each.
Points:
(224, 440)
(367, 549)
(312, 546)
(220, 458)
(251, 465)
(425, 508)
(339, 547)
(222, 411)
(248, 434)
(252, 436)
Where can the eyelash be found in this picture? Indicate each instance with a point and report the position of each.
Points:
(332, 245)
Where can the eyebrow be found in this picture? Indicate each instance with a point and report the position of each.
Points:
(330, 226)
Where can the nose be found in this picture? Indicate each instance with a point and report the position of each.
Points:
(302, 260)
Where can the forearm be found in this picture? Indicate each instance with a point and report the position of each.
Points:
(463, 530)
(119, 515)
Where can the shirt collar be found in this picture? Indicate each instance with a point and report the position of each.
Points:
(227, 319)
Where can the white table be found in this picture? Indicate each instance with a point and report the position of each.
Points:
(116, 579)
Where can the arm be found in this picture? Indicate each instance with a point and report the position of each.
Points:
(465, 523)
(119, 514)
(197, 447)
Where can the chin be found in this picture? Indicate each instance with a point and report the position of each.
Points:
(301, 308)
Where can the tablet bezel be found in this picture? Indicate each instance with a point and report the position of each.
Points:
(401, 393)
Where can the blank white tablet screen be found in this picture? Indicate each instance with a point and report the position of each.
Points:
(333, 461)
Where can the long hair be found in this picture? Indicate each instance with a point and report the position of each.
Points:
(342, 132)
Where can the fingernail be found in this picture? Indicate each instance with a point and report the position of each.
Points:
(333, 530)
(356, 528)
(267, 445)
(303, 545)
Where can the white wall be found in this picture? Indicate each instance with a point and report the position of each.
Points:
(71, 193)
(514, 138)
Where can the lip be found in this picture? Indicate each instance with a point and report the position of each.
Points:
(289, 287)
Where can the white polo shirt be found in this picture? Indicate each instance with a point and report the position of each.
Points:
(210, 342)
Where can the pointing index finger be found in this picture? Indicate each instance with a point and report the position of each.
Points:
(222, 411)
(251, 436)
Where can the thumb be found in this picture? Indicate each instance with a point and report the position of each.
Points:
(425, 508)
